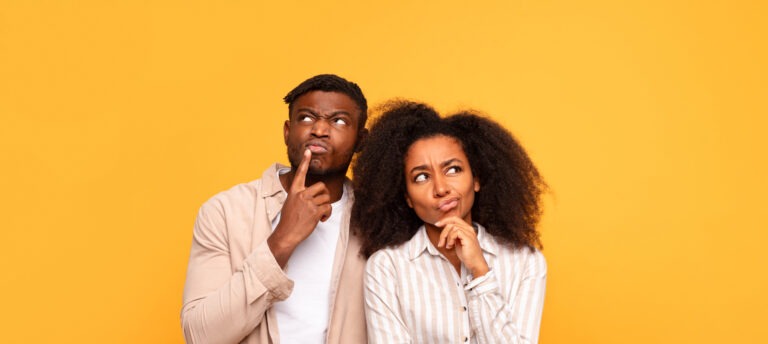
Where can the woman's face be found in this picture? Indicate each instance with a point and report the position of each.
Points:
(439, 180)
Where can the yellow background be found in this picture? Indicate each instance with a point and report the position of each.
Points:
(647, 118)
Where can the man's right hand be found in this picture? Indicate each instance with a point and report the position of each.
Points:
(303, 209)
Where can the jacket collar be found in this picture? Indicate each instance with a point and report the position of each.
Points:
(270, 183)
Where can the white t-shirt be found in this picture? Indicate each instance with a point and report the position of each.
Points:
(303, 316)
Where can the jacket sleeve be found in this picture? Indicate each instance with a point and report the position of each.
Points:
(222, 306)
(382, 308)
(516, 320)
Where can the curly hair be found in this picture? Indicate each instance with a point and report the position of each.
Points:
(330, 83)
(508, 204)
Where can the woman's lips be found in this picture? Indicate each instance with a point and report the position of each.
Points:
(448, 205)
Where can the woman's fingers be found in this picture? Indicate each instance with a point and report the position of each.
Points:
(451, 237)
(461, 236)
(456, 221)
(452, 227)
(445, 236)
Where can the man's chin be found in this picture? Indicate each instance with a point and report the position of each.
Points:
(316, 167)
(322, 172)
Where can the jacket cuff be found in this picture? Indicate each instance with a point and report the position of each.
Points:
(262, 269)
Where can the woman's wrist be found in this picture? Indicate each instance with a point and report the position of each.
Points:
(480, 270)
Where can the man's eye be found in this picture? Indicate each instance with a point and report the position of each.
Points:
(340, 121)
(421, 177)
(304, 118)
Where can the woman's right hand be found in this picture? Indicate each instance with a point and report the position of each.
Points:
(461, 236)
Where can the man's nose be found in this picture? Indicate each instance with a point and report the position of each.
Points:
(320, 128)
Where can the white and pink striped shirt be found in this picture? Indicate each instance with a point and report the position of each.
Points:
(414, 295)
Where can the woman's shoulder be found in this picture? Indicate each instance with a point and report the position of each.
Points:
(531, 257)
(526, 252)
(390, 257)
(381, 260)
(492, 243)
(389, 253)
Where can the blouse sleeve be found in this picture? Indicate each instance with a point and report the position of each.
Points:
(516, 320)
(382, 310)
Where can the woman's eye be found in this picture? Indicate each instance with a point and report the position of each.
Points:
(453, 170)
(420, 178)
(340, 121)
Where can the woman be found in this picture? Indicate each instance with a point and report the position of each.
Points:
(447, 209)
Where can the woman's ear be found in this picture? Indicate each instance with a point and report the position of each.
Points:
(477, 184)
(408, 200)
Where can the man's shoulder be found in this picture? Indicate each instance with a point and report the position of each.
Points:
(245, 194)
(239, 192)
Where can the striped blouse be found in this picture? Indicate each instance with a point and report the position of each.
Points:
(414, 295)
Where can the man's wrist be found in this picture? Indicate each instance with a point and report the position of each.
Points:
(281, 247)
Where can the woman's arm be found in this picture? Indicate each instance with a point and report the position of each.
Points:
(518, 319)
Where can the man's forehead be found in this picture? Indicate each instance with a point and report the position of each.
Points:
(326, 103)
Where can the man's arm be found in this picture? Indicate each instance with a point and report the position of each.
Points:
(221, 306)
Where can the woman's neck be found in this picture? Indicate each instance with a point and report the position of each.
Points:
(433, 233)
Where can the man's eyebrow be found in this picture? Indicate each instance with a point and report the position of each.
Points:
(337, 113)
(334, 113)
(306, 110)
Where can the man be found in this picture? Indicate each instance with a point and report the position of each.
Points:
(273, 260)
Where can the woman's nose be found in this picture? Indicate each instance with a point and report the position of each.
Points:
(440, 186)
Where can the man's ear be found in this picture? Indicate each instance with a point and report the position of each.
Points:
(286, 129)
(362, 135)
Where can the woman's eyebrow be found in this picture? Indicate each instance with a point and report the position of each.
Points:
(449, 161)
(419, 168)
(442, 165)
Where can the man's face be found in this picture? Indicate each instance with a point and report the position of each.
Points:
(326, 123)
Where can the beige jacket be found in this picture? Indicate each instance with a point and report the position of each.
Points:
(233, 278)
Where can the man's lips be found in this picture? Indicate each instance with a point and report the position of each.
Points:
(448, 205)
(317, 147)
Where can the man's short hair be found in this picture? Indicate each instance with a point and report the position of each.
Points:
(330, 83)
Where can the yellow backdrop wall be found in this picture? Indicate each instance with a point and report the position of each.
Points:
(647, 118)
